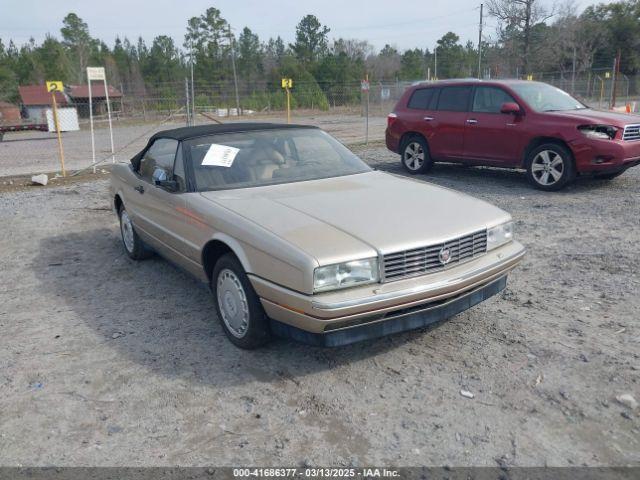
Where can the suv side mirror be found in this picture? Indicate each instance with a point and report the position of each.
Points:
(511, 108)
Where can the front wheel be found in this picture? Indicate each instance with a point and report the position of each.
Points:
(237, 304)
(133, 244)
(550, 167)
(415, 156)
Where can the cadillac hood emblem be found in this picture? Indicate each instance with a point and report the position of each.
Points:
(445, 255)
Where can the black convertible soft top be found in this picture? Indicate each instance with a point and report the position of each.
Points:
(185, 133)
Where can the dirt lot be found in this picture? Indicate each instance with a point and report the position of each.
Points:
(37, 152)
(105, 361)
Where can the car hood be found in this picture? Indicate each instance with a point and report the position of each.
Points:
(600, 117)
(362, 214)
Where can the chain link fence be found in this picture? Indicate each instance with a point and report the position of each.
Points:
(30, 143)
(596, 88)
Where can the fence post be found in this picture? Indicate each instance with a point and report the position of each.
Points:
(366, 133)
(56, 123)
(616, 66)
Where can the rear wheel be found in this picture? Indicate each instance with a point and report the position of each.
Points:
(415, 156)
(550, 167)
(237, 304)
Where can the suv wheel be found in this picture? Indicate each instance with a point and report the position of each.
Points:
(237, 305)
(550, 167)
(415, 156)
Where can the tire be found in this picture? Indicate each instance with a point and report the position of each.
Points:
(550, 167)
(415, 156)
(609, 176)
(132, 243)
(238, 307)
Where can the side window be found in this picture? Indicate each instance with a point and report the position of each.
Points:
(490, 99)
(433, 103)
(178, 172)
(160, 155)
(454, 99)
(421, 99)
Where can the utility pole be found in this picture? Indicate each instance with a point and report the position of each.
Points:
(187, 102)
(193, 92)
(480, 44)
(435, 63)
(573, 72)
(235, 76)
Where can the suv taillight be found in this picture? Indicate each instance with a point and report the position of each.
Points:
(391, 119)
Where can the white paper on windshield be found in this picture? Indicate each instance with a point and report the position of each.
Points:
(220, 155)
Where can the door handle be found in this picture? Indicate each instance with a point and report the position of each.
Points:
(428, 119)
(472, 121)
(139, 189)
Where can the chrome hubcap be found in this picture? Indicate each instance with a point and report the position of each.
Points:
(127, 231)
(547, 167)
(413, 156)
(233, 304)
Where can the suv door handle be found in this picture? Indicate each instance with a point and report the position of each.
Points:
(428, 119)
(139, 189)
(472, 121)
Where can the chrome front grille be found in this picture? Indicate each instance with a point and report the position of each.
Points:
(631, 132)
(418, 261)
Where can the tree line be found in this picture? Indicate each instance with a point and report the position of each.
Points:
(530, 37)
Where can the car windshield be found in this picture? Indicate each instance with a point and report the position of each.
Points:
(546, 98)
(267, 157)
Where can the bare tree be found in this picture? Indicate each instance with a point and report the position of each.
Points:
(385, 65)
(519, 16)
(572, 40)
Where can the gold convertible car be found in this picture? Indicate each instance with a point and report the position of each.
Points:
(298, 237)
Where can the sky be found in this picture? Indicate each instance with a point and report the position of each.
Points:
(400, 23)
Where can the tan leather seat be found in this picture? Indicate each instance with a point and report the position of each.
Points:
(262, 160)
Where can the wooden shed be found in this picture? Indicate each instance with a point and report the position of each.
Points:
(9, 114)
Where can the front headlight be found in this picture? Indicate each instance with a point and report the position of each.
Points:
(499, 235)
(598, 132)
(347, 274)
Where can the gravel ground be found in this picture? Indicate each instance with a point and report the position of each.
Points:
(105, 361)
(37, 152)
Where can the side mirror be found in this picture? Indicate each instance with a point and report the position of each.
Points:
(510, 108)
(161, 179)
(159, 175)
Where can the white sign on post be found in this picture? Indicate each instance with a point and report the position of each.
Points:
(95, 73)
(98, 73)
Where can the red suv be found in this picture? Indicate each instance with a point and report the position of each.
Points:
(512, 124)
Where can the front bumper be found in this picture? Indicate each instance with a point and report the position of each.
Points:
(400, 321)
(340, 309)
(604, 156)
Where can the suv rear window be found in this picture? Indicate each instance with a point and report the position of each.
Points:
(454, 99)
(422, 98)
